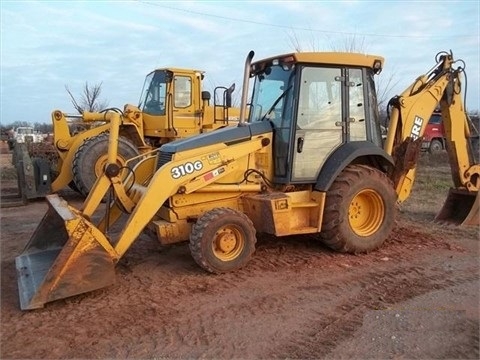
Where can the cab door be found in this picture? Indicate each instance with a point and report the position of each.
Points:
(185, 118)
(319, 129)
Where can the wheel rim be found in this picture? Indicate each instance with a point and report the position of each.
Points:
(366, 212)
(228, 243)
(103, 160)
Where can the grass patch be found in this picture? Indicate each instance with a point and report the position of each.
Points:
(434, 175)
(430, 183)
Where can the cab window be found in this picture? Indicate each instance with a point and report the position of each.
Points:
(183, 91)
(356, 106)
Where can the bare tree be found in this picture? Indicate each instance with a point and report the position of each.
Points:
(383, 86)
(89, 99)
(351, 43)
(295, 43)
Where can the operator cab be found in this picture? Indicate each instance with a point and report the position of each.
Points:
(316, 104)
(168, 87)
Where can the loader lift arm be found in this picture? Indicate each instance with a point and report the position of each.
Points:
(87, 250)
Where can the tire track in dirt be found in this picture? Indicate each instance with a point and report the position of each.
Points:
(381, 291)
(293, 293)
(323, 329)
(207, 320)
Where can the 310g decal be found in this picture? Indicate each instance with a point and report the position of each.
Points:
(186, 169)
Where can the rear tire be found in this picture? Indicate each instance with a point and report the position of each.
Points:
(360, 210)
(91, 157)
(222, 240)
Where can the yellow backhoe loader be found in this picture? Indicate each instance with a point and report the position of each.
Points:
(172, 106)
(309, 160)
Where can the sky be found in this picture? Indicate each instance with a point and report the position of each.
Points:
(48, 45)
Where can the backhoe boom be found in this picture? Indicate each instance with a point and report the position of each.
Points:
(410, 113)
(440, 87)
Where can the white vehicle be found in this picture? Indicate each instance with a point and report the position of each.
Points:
(25, 134)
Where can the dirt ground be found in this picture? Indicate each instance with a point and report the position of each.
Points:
(415, 298)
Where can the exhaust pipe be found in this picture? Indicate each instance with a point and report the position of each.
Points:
(246, 78)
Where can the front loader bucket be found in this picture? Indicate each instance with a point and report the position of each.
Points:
(460, 208)
(66, 256)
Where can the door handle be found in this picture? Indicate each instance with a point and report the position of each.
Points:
(300, 142)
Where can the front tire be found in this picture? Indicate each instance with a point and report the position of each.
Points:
(91, 157)
(222, 240)
(360, 210)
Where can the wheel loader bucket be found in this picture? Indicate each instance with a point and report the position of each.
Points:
(66, 256)
(460, 208)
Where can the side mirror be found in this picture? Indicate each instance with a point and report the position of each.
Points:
(206, 95)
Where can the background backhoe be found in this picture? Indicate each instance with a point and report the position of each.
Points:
(310, 160)
(173, 105)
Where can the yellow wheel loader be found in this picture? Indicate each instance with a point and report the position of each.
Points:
(310, 160)
(172, 106)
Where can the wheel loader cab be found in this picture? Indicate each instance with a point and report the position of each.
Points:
(174, 106)
(170, 103)
(166, 88)
(317, 104)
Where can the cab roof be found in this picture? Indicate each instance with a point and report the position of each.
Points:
(329, 58)
(179, 70)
